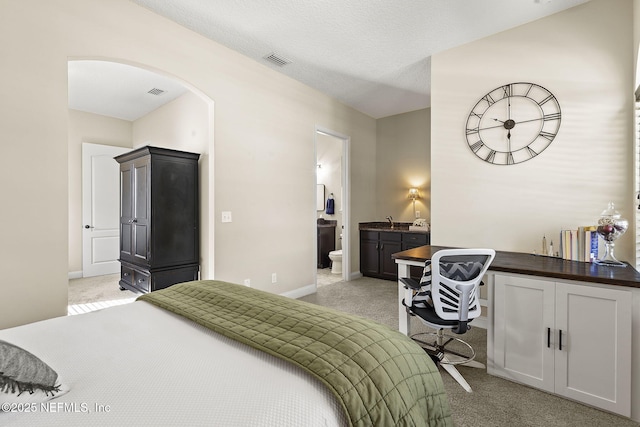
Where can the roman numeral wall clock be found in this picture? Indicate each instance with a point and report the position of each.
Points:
(513, 123)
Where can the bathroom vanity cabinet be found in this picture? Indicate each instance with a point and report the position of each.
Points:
(378, 244)
(326, 241)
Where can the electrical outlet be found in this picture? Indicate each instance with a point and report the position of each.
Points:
(226, 216)
(417, 214)
(274, 278)
(247, 282)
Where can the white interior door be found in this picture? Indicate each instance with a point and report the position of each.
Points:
(100, 209)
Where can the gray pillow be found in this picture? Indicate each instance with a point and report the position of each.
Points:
(26, 378)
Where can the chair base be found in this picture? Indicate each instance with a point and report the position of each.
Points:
(458, 352)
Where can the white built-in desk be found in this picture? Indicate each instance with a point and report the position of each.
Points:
(567, 327)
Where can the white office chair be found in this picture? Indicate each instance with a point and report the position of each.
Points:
(447, 297)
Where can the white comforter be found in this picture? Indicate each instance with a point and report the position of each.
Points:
(139, 365)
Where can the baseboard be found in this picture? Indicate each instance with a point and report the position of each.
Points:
(311, 289)
(300, 292)
(75, 275)
(355, 275)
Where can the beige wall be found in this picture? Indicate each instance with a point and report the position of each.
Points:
(584, 56)
(95, 129)
(403, 161)
(636, 39)
(263, 137)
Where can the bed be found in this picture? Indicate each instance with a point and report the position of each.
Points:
(213, 353)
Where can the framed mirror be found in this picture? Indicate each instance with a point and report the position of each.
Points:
(320, 197)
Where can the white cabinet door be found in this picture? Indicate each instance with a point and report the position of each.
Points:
(523, 330)
(593, 357)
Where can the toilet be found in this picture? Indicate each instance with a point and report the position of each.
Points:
(336, 261)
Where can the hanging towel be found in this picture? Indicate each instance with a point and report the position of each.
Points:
(330, 205)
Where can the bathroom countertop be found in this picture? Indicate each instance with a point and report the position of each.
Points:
(398, 227)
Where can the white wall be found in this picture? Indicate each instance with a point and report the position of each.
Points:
(95, 129)
(403, 162)
(264, 153)
(584, 56)
(183, 124)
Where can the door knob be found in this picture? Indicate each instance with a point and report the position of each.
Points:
(88, 226)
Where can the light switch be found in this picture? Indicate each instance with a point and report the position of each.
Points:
(226, 216)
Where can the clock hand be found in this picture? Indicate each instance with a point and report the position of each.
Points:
(493, 127)
(510, 122)
(496, 120)
(531, 120)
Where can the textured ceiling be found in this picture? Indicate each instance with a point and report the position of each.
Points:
(373, 55)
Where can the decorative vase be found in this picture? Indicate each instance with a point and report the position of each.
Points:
(610, 227)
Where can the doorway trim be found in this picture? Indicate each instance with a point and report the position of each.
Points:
(346, 199)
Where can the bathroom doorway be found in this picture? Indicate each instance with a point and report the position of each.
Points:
(332, 206)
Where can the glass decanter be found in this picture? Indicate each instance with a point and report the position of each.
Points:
(610, 227)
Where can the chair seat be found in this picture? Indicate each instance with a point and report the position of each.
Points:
(429, 315)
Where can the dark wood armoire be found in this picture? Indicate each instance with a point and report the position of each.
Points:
(159, 224)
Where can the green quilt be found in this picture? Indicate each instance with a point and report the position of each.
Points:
(381, 377)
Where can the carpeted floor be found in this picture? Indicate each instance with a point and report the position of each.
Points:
(494, 402)
(95, 293)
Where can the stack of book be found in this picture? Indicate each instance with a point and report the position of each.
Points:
(580, 244)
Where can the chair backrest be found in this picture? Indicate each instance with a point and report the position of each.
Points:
(456, 275)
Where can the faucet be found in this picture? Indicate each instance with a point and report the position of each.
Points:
(390, 219)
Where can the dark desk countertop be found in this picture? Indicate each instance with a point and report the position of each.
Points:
(521, 263)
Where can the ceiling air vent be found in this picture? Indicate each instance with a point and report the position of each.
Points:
(157, 92)
(276, 59)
